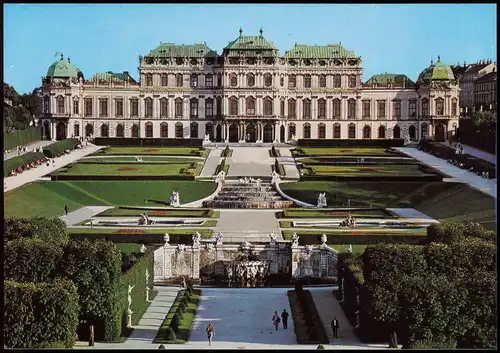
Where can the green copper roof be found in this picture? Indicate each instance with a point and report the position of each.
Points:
(62, 69)
(303, 51)
(115, 77)
(438, 71)
(250, 43)
(190, 51)
(384, 79)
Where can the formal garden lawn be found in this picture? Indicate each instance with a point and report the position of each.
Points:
(129, 169)
(131, 232)
(174, 212)
(341, 151)
(357, 249)
(165, 151)
(149, 160)
(439, 200)
(368, 231)
(364, 171)
(48, 198)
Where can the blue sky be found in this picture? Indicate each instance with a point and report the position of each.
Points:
(110, 37)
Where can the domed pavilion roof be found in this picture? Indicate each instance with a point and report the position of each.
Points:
(62, 69)
(437, 71)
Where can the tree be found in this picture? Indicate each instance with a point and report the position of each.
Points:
(48, 229)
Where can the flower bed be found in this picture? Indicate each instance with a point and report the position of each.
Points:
(151, 150)
(368, 170)
(345, 151)
(126, 168)
(133, 231)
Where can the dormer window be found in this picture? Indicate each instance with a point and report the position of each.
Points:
(193, 61)
(307, 62)
(179, 61)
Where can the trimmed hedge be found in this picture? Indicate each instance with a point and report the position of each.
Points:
(59, 147)
(273, 152)
(21, 161)
(222, 166)
(227, 152)
(51, 230)
(158, 142)
(40, 314)
(350, 143)
(22, 137)
(308, 326)
(278, 168)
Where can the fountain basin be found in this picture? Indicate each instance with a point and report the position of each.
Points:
(158, 222)
(407, 224)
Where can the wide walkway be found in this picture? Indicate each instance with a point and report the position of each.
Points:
(82, 214)
(250, 162)
(250, 225)
(213, 160)
(29, 148)
(28, 176)
(487, 186)
(288, 162)
(476, 153)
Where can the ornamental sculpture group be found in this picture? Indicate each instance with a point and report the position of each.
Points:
(253, 273)
(174, 199)
(322, 200)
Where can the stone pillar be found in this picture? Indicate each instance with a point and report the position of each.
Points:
(195, 269)
(329, 108)
(272, 254)
(343, 110)
(276, 132)
(358, 108)
(219, 257)
(295, 261)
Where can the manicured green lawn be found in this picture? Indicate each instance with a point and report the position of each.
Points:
(130, 169)
(166, 151)
(128, 248)
(48, 198)
(205, 233)
(150, 159)
(119, 212)
(344, 151)
(355, 248)
(287, 233)
(364, 171)
(207, 223)
(322, 213)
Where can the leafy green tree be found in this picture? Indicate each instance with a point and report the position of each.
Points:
(49, 229)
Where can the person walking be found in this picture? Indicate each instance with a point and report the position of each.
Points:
(210, 333)
(335, 327)
(276, 320)
(284, 317)
(66, 209)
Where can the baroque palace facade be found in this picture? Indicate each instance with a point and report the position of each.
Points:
(249, 93)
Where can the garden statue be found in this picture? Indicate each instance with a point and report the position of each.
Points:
(324, 238)
(183, 284)
(181, 248)
(273, 238)
(166, 238)
(229, 270)
(322, 200)
(206, 141)
(147, 277)
(196, 239)
(143, 249)
(129, 298)
(174, 199)
(275, 178)
(295, 239)
(349, 249)
(218, 238)
(258, 181)
(245, 246)
(143, 220)
(220, 177)
(407, 139)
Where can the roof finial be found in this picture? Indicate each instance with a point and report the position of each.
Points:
(432, 62)
(439, 58)
(340, 43)
(69, 60)
(241, 31)
(62, 57)
(261, 31)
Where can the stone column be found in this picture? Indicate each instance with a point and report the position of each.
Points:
(329, 108)
(195, 269)
(276, 131)
(219, 256)
(358, 108)
(343, 112)
(314, 108)
(295, 261)
(272, 254)
(186, 108)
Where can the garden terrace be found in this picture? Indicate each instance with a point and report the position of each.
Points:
(333, 160)
(340, 151)
(439, 200)
(126, 211)
(160, 222)
(331, 213)
(48, 198)
(145, 160)
(159, 151)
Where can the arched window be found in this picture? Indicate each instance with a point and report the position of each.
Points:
(351, 131)
(163, 107)
(321, 108)
(337, 81)
(282, 107)
(321, 131)
(194, 130)
(351, 108)
(89, 130)
(134, 130)
(367, 132)
(219, 80)
(396, 132)
(194, 80)
(454, 106)
(423, 130)
(60, 104)
(306, 109)
(336, 108)
(164, 130)
(179, 80)
(148, 102)
(381, 132)
(104, 130)
(179, 130)
(120, 131)
(233, 106)
(336, 131)
(46, 104)
(149, 79)
(322, 81)
(250, 80)
(149, 129)
(164, 80)
(233, 80)
(291, 131)
(307, 131)
(412, 131)
(292, 81)
(307, 81)
(218, 100)
(179, 111)
(250, 105)
(292, 108)
(352, 81)
(268, 106)
(268, 80)
(439, 106)
(193, 108)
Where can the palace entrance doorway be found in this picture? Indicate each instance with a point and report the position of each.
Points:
(439, 133)
(268, 133)
(60, 131)
(218, 133)
(233, 133)
(282, 134)
(46, 129)
(251, 133)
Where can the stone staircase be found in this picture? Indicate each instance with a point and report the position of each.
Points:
(236, 195)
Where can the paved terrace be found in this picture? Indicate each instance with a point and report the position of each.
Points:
(487, 186)
(476, 153)
(29, 148)
(250, 162)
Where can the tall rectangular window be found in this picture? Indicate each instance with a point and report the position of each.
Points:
(60, 105)
(103, 103)
(381, 109)
(209, 80)
(321, 109)
(307, 81)
(337, 81)
(351, 108)
(194, 80)
(366, 108)
(178, 108)
(292, 81)
(209, 108)
(336, 108)
(306, 109)
(397, 108)
(179, 80)
(291, 108)
(163, 107)
(282, 108)
(148, 102)
(119, 107)
(352, 81)
(46, 104)
(88, 106)
(164, 80)
(425, 107)
(134, 107)
(76, 107)
(412, 108)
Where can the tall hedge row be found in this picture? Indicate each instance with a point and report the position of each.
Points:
(22, 137)
(40, 314)
(59, 147)
(20, 161)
